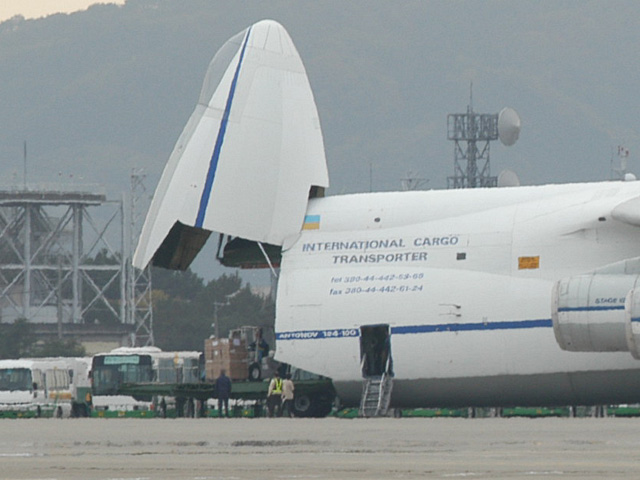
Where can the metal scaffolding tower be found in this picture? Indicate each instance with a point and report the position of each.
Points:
(57, 262)
(140, 287)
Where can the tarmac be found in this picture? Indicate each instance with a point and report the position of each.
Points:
(330, 448)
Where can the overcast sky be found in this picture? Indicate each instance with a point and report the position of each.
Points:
(43, 8)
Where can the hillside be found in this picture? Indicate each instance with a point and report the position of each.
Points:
(97, 92)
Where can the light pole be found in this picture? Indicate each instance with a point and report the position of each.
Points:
(216, 323)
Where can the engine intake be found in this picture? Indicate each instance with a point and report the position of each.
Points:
(589, 312)
(599, 311)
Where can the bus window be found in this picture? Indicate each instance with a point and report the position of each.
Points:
(111, 371)
(57, 379)
(15, 379)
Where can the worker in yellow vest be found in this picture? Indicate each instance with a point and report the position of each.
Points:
(274, 396)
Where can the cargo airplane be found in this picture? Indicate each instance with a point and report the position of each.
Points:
(478, 297)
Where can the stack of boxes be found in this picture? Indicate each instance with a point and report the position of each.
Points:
(229, 354)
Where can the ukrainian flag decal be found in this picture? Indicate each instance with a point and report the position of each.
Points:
(311, 222)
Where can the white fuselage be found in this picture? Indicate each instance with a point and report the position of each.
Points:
(462, 284)
(464, 281)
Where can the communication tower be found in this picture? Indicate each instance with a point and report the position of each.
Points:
(621, 170)
(472, 133)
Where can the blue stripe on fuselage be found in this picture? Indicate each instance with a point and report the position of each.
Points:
(213, 165)
(600, 308)
(413, 329)
(470, 327)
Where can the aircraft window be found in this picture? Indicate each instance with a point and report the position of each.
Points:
(461, 256)
(602, 219)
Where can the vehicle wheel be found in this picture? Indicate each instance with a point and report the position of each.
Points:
(311, 406)
(302, 406)
(255, 372)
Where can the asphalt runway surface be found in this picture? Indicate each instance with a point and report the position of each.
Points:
(282, 448)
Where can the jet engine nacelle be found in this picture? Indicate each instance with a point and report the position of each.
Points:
(597, 312)
(632, 312)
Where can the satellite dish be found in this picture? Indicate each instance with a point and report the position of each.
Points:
(508, 126)
(508, 178)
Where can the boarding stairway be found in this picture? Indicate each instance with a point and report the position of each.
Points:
(376, 393)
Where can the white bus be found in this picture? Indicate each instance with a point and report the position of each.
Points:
(45, 387)
(111, 370)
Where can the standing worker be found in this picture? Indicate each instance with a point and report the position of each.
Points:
(287, 395)
(274, 396)
(223, 390)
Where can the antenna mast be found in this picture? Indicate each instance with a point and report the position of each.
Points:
(24, 158)
(472, 133)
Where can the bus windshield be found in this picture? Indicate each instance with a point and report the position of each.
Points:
(109, 372)
(15, 379)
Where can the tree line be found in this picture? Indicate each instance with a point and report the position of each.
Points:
(18, 340)
(185, 311)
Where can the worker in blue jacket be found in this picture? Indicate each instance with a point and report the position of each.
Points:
(223, 391)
